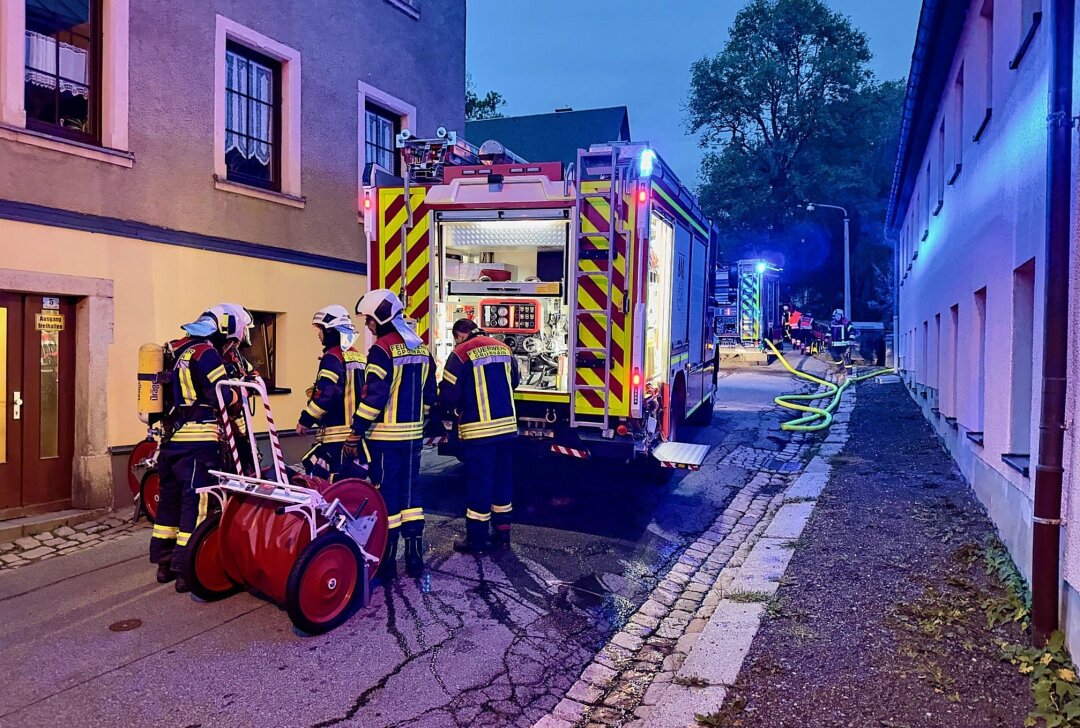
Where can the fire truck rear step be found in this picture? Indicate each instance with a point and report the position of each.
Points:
(682, 455)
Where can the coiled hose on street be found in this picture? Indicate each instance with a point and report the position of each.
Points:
(816, 418)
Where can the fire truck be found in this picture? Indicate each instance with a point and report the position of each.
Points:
(748, 295)
(599, 277)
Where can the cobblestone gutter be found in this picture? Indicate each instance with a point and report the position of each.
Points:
(66, 540)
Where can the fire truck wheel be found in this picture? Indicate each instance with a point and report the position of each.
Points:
(150, 494)
(324, 584)
(677, 416)
(208, 580)
(702, 415)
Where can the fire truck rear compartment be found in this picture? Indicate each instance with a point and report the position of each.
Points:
(508, 274)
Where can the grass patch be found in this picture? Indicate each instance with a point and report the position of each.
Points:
(749, 597)
(712, 720)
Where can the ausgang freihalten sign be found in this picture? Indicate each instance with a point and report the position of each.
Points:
(49, 321)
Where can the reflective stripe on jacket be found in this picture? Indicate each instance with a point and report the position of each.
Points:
(399, 389)
(334, 397)
(197, 368)
(479, 379)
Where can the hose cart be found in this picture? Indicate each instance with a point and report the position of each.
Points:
(309, 545)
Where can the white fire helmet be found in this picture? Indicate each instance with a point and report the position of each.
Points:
(245, 315)
(333, 317)
(384, 307)
(381, 304)
(224, 318)
(838, 313)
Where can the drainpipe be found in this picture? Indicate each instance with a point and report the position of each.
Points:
(1046, 529)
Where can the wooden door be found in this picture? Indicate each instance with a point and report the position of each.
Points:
(11, 391)
(49, 409)
(37, 347)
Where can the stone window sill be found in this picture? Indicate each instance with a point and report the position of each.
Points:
(258, 193)
(976, 437)
(1036, 20)
(67, 146)
(1019, 462)
(407, 6)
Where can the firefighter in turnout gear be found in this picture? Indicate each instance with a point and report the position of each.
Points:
(399, 389)
(478, 383)
(190, 447)
(332, 400)
(842, 339)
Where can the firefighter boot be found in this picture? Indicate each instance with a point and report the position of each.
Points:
(387, 571)
(414, 556)
(476, 538)
(181, 584)
(165, 574)
(500, 535)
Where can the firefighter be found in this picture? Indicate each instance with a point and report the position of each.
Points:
(190, 448)
(842, 338)
(332, 400)
(399, 389)
(478, 383)
(238, 366)
(791, 326)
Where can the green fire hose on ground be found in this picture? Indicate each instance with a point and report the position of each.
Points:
(816, 418)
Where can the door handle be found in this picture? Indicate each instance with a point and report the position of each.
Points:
(17, 406)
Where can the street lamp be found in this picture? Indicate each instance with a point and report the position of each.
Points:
(847, 254)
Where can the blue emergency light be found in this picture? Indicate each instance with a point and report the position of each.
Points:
(761, 266)
(646, 163)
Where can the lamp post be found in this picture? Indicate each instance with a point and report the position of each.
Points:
(847, 254)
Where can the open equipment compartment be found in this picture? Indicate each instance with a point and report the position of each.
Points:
(506, 270)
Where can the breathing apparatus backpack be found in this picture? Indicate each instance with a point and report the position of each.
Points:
(156, 399)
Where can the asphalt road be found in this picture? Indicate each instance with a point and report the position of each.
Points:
(484, 641)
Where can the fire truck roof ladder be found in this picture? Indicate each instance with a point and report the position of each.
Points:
(603, 162)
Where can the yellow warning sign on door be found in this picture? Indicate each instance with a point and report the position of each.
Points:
(49, 321)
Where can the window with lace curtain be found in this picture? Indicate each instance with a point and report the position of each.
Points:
(379, 145)
(63, 68)
(252, 117)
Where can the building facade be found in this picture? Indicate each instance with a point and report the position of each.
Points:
(157, 158)
(969, 218)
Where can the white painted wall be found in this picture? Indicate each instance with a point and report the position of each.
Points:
(991, 221)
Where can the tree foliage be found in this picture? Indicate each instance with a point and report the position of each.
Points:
(789, 112)
(481, 107)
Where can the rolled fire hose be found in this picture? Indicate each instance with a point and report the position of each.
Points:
(816, 418)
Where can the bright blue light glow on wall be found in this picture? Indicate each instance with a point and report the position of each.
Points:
(761, 266)
(646, 163)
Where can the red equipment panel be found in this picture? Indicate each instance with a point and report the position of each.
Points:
(510, 316)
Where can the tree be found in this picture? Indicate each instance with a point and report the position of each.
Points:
(481, 107)
(790, 113)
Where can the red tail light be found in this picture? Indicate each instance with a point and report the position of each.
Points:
(623, 430)
(367, 203)
(642, 196)
(636, 378)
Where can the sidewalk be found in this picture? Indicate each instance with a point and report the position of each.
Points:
(876, 621)
(880, 618)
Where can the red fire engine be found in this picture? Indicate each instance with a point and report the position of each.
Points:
(599, 277)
